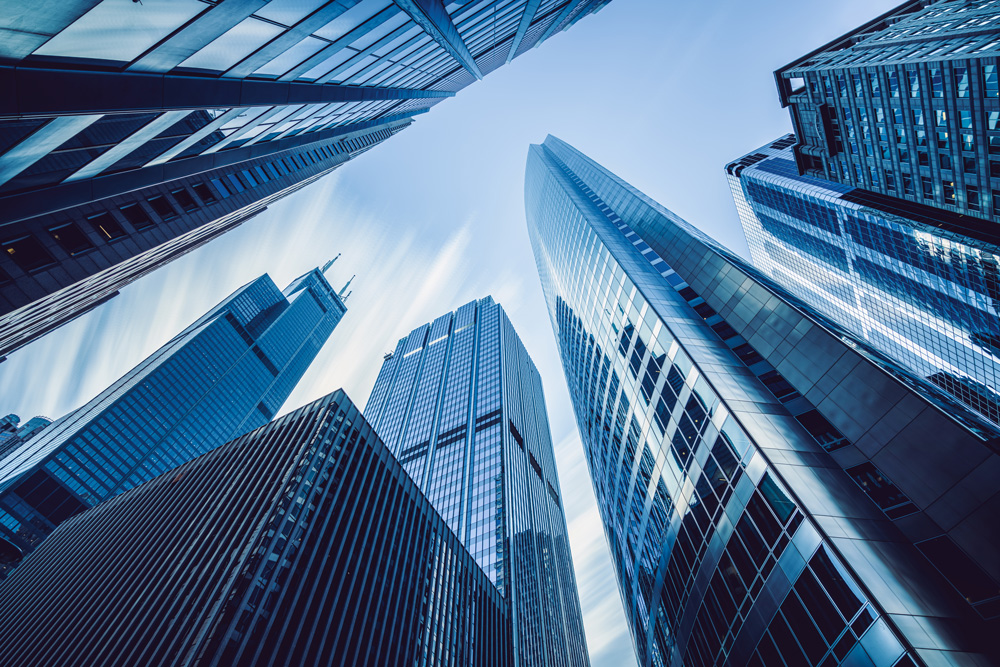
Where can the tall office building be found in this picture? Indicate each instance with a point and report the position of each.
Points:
(771, 493)
(923, 293)
(13, 433)
(133, 132)
(224, 375)
(906, 108)
(301, 543)
(460, 404)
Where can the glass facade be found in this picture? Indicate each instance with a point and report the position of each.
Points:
(224, 375)
(168, 107)
(460, 404)
(301, 543)
(924, 297)
(906, 106)
(760, 479)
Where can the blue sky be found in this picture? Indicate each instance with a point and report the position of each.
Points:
(662, 93)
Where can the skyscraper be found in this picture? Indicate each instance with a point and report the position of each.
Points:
(301, 543)
(13, 434)
(771, 491)
(227, 373)
(906, 108)
(921, 291)
(460, 404)
(133, 132)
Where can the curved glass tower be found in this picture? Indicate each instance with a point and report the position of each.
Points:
(772, 493)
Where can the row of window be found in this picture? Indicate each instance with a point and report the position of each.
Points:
(911, 84)
(30, 254)
(252, 177)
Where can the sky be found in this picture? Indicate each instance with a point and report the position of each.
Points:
(662, 93)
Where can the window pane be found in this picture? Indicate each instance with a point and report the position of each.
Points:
(71, 239)
(107, 226)
(121, 29)
(163, 208)
(137, 216)
(288, 12)
(185, 199)
(28, 253)
(292, 57)
(240, 41)
(204, 193)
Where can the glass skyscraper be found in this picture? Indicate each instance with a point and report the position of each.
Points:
(133, 132)
(227, 373)
(460, 404)
(923, 294)
(772, 492)
(906, 108)
(301, 543)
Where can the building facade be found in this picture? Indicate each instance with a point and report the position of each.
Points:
(13, 434)
(133, 132)
(460, 404)
(924, 295)
(313, 548)
(906, 107)
(224, 375)
(771, 493)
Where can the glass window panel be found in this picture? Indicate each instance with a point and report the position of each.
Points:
(137, 216)
(240, 41)
(336, 59)
(398, 20)
(288, 12)
(106, 226)
(28, 253)
(352, 18)
(292, 57)
(71, 238)
(121, 29)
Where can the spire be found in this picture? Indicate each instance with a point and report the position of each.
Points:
(341, 295)
(327, 266)
(344, 298)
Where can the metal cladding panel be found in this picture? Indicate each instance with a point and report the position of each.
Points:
(711, 408)
(313, 548)
(463, 411)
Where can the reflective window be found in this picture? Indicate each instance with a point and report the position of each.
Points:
(185, 199)
(204, 193)
(292, 57)
(121, 29)
(352, 18)
(288, 12)
(240, 41)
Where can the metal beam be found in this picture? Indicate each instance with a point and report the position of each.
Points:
(563, 13)
(38, 92)
(526, 18)
(434, 19)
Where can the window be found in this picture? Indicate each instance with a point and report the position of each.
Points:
(236, 182)
(137, 216)
(71, 239)
(968, 144)
(873, 80)
(822, 430)
(990, 84)
(185, 199)
(28, 253)
(914, 83)
(4, 278)
(945, 160)
(883, 493)
(162, 208)
(966, 119)
(961, 571)
(962, 81)
(893, 85)
(937, 82)
(972, 197)
(204, 193)
(890, 182)
(106, 226)
(221, 187)
(249, 178)
(779, 386)
(907, 184)
(927, 187)
(949, 192)
(942, 140)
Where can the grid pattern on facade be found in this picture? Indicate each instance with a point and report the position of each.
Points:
(908, 106)
(313, 548)
(224, 375)
(925, 300)
(460, 404)
(703, 508)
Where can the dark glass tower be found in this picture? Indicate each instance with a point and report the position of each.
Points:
(224, 375)
(906, 107)
(460, 404)
(771, 492)
(133, 132)
(301, 543)
(922, 293)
